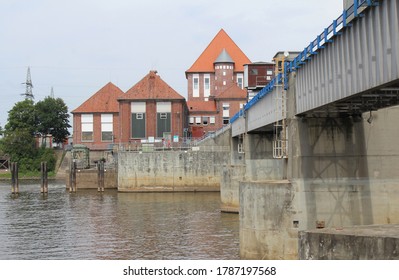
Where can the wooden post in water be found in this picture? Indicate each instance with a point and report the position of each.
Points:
(44, 178)
(14, 178)
(100, 176)
(72, 177)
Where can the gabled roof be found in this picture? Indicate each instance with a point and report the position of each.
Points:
(221, 41)
(103, 101)
(201, 106)
(232, 92)
(151, 87)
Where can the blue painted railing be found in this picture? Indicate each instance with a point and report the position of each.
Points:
(331, 31)
(324, 38)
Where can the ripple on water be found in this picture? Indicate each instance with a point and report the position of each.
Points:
(112, 225)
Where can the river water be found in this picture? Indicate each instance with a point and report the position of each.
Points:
(112, 225)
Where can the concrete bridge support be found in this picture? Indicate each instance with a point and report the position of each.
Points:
(251, 161)
(341, 171)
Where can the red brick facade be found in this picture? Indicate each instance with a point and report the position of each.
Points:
(216, 85)
(151, 110)
(106, 118)
(102, 103)
(154, 93)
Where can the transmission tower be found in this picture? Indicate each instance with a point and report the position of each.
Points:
(52, 92)
(28, 92)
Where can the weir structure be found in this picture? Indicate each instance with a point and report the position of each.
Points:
(332, 162)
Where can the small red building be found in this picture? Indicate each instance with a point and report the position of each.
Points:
(96, 121)
(151, 111)
(257, 75)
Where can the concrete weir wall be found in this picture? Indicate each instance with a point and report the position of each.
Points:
(87, 179)
(171, 170)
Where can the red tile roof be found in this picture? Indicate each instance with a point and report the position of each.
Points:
(221, 41)
(103, 101)
(201, 106)
(233, 92)
(151, 87)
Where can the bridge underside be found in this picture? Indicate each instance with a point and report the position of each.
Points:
(367, 101)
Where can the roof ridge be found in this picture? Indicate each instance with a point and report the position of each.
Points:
(204, 63)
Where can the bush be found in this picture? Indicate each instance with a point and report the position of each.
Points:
(48, 155)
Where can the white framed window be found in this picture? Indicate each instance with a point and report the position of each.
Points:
(138, 107)
(226, 110)
(106, 127)
(207, 85)
(191, 120)
(212, 120)
(198, 120)
(240, 80)
(269, 72)
(87, 127)
(196, 85)
(164, 107)
(138, 119)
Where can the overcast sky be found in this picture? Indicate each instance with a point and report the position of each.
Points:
(77, 46)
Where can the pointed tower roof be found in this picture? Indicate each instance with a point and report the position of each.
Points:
(103, 101)
(224, 57)
(221, 41)
(151, 87)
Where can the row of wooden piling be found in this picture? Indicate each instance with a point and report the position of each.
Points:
(44, 177)
(15, 178)
(100, 177)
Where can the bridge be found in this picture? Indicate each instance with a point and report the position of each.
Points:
(316, 147)
(350, 68)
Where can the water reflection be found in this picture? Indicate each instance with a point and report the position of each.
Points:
(112, 225)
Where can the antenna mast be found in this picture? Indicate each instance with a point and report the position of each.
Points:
(28, 92)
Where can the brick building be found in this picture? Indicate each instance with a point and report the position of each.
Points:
(151, 111)
(96, 121)
(257, 75)
(215, 85)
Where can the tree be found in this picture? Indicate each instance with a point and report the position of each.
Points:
(22, 116)
(19, 144)
(53, 118)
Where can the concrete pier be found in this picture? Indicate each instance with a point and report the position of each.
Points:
(374, 242)
(341, 171)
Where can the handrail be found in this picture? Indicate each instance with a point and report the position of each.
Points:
(325, 37)
(330, 32)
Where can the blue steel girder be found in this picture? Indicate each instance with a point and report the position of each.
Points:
(330, 32)
(359, 72)
(335, 29)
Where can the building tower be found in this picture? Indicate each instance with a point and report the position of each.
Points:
(224, 71)
(28, 92)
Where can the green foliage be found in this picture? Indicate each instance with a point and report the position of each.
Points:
(23, 117)
(19, 144)
(25, 121)
(48, 155)
(53, 118)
